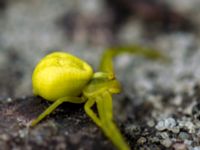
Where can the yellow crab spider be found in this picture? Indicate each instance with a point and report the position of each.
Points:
(61, 77)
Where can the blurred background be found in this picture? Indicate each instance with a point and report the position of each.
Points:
(159, 107)
(29, 29)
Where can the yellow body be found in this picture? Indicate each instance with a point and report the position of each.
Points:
(60, 74)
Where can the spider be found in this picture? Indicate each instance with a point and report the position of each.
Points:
(61, 77)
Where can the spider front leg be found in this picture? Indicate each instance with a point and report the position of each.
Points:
(104, 107)
(90, 112)
(53, 106)
(105, 119)
(106, 64)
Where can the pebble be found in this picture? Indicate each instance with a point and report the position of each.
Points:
(164, 135)
(188, 142)
(177, 100)
(151, 123)
(23, 133)
(9, 99)
(141, 140)
(183, 135)
(179, 146)
(196, 148)
(168, 123)
(175, 129)
(166, 142)
(4, 137)
(154, 139)
(187, 124)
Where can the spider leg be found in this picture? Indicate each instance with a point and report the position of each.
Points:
(90, 102)
(53, 106)
(104, 106)
(106, 64)
(107, 105)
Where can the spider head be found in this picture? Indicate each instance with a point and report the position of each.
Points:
(100, 84)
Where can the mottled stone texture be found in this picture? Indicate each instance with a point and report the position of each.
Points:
(67, 128)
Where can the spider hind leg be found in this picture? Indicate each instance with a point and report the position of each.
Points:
(53, 106)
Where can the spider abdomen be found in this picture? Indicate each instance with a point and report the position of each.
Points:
(60, 74)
